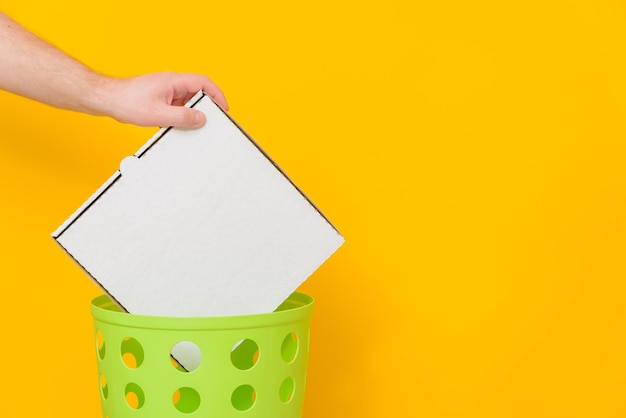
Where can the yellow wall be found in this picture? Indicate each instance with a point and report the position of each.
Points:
(473, 153)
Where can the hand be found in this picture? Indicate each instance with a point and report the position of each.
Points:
(156, 99)
(33, 68)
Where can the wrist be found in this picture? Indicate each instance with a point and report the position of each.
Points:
(98, 97)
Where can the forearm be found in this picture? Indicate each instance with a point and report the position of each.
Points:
(35, 69)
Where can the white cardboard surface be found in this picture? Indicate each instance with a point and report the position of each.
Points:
(199, 223)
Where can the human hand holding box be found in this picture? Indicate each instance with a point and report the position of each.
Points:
(199, 223)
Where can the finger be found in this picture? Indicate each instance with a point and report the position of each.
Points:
(180, 116)
(195, 82)
(216, 94)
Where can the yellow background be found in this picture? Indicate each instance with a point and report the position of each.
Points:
(472, 153)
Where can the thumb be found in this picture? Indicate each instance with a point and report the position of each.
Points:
(181, 116)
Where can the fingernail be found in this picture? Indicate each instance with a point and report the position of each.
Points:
(198, 119)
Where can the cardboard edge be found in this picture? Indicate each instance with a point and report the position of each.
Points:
(107, 184)
(155, 138)
(113, 299)
(280, 170)
(102, 189)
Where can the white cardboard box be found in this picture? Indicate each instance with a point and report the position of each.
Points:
(199, 223)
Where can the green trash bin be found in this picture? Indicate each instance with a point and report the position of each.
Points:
(252, 363)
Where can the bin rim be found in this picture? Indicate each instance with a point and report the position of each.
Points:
(297, 307)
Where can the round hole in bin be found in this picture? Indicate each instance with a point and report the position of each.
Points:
(100, 345)
(104, 389)
(134, 396)
(132, 353)
(186, 400)
(185, 356)
(287, 389)
(244, 354)
(289, 348)
(243, 398)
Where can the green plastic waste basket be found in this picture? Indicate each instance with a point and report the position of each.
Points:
(250, 365)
